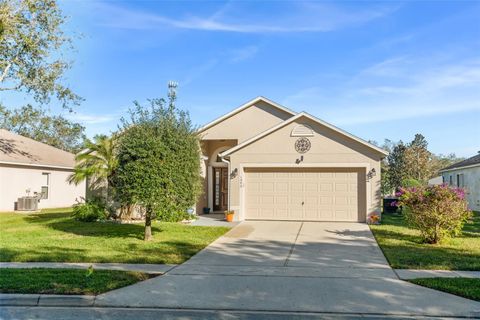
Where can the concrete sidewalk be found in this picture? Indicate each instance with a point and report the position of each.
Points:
(407, 274)
(212, 220)
(147, 268)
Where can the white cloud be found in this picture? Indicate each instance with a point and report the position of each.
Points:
(90, 118)
(398, 111)
(392, 67)
(233, 56)
(418, 77)
(396, 89)
(301, 17)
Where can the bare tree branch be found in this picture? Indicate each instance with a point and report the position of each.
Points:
(5, 72)
(10, 88)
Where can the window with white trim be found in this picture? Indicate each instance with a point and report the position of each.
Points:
(45, 185)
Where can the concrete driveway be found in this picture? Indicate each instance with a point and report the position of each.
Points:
(291, 267)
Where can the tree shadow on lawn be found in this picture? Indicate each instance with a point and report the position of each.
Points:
(46, 254)
(52, 239)
(430, 257)
(390, 234)
(395, 219)
(413, 253)
(66, 223)
(179, 250)
(415, 239)
(472, 228)
(165, 252)
(404, 248)
(107, 229)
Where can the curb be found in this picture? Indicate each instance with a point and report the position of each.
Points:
(137, 267)
(62, 301)
(46, 300)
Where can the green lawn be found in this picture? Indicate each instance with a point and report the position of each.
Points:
(464, 287)
(53, 236)
(65, 281)
(403, 248)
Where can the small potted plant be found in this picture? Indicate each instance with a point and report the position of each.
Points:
(374, 219)
(229, 215)
(206, 210)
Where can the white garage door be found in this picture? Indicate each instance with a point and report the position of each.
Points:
(305, 194)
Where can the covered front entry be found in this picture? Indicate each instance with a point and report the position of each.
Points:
(305, 194)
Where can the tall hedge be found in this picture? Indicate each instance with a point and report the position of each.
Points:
(158, 161)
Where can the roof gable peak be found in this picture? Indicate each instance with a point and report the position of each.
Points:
(245, 106)
(294, 118)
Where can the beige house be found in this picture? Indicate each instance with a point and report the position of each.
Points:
(267, 162)
(465, 174)
(29, 168)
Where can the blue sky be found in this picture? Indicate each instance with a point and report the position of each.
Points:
(377, 69)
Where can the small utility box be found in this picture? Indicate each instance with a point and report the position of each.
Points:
(389, 205)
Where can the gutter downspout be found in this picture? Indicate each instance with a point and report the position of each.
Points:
(229, 183)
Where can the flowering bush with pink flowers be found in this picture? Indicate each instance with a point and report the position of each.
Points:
(438, 211)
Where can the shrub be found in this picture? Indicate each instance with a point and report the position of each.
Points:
(410, 183)
(438, 211)
(173, 216)
(92, 210)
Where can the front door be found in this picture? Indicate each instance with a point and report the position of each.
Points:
(220, 189)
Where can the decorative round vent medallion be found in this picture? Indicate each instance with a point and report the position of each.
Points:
(302, 145)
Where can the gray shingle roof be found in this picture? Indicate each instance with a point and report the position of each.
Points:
(18, 149)
(467, 162)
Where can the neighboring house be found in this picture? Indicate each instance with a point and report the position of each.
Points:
(465, 174)
(267, 162)
(28, 167)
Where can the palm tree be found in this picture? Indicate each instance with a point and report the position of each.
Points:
(96, 163)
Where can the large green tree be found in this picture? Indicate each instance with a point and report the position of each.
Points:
(397, 171)
(385, 183)
(411, 164)
(158, 161)
(32, 50)
(418, 164)
(440, 161)
(38, 124)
